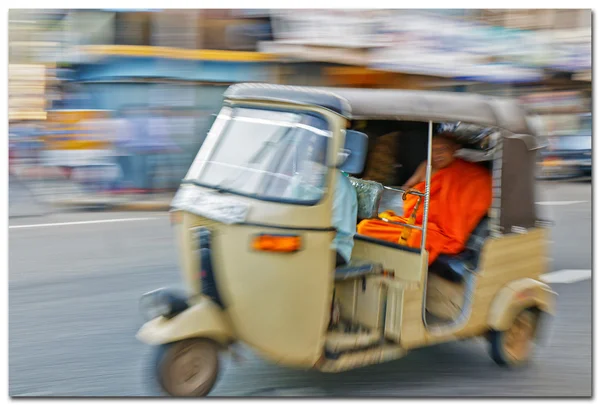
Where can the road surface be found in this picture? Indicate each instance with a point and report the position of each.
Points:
(74, 288)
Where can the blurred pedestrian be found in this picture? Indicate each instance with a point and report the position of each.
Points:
(122, 149)
(139, 146)
(96, 168)
(163, 150)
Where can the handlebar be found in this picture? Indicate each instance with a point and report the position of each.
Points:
(405, 191)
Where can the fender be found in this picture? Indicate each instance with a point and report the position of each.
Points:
(517, 296)
(203, 318)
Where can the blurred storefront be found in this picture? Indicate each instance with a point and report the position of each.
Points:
(178, 62)
(186, 84)
(181, 61)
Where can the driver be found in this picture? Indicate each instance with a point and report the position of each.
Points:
(308, 183)
(460, 196)
(345, 212)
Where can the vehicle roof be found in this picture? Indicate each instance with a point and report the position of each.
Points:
(387, 104)
(290, 94)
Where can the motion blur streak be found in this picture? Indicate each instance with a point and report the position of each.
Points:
(80, 223)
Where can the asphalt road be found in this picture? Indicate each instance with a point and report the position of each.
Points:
(73, 315)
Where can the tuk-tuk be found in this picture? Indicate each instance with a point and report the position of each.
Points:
(257, 260)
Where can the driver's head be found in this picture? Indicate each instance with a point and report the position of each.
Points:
(443, 149)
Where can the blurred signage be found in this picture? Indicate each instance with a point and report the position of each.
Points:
(26, 91)
(559, 102)
(342, 28)
(571, 49)
(411, 42)
(132, 10)
(71, 130)
(434, 43)
(562, 124)
(462, 48)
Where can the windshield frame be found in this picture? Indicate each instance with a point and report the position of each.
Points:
(329, 164)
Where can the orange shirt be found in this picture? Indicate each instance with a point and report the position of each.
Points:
(460, 196)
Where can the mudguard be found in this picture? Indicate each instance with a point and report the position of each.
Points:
(203, 319)
(517, 296)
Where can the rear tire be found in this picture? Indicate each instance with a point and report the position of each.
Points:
(513, 347)
(188, 368)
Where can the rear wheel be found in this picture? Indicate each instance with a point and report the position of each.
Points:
(514, 346)
(188, 368)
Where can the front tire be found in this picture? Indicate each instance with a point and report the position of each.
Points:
(514, 346)
(188, 368)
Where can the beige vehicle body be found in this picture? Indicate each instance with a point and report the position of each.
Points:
(280, 302)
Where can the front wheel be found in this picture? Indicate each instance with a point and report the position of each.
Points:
(513, 347)
(188, 368)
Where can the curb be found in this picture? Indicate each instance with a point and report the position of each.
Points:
(107, 206)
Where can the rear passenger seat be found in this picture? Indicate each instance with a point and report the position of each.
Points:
(455, 267)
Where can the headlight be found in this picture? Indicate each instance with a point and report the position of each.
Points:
(157, 303)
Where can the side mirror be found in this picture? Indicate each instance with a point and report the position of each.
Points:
(351, 159)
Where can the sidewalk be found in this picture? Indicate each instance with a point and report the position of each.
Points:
(152, 202)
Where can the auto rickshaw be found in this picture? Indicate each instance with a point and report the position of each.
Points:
(257, 259)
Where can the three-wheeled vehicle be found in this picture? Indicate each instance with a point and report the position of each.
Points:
(257, 257)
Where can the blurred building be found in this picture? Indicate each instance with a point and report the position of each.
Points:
(26, 92)
(178, 60)
(31, 76)
(562, 99)
(465, 50)
(182, 60)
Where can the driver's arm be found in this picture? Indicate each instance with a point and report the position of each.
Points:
(417, 177)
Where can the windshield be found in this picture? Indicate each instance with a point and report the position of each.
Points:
(265, 154)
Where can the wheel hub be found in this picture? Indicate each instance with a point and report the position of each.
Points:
(190, 368)
(518, 337)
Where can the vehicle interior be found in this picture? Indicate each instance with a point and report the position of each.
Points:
(372, 290)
